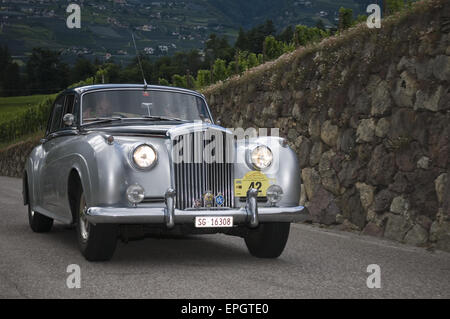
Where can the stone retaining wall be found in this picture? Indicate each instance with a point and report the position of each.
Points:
(13, 158)
(369, 115)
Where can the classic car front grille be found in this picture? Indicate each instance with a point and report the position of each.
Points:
(195, 175)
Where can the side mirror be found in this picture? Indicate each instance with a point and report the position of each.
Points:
(68, 119)
(219, 121)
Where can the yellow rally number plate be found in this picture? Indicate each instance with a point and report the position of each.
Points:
(251, 180)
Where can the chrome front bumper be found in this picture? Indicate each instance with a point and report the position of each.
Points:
(250, 215)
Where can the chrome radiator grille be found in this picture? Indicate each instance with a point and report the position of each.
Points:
(196, 175)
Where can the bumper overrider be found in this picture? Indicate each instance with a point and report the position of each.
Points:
(250, 215)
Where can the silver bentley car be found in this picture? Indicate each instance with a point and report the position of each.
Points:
(133, 161)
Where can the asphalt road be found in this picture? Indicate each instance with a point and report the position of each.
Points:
(317, 263)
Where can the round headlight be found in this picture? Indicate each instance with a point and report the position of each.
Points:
(274, 194)
(144, 157)
(135, 194)
(262, 157)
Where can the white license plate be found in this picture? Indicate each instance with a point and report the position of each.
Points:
(213, 222)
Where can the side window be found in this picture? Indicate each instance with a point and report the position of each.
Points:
(76, 110)
(69, 107)
(69, 104)
(57, 115)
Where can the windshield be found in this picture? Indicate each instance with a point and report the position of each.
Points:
(133, 104)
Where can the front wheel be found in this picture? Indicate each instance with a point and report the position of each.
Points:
(268, 240)
(38, 222)
(96, 242)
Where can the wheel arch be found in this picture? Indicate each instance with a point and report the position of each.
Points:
(27, 182)
(74, 186)
(25, 189)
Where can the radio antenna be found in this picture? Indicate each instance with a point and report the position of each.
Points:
(139, 60)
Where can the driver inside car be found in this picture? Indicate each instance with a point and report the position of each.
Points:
(101, 109)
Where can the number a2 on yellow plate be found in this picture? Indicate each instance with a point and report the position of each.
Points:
(254, 179)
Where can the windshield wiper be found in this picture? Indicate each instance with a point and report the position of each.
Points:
(101, 120)
(162, 118)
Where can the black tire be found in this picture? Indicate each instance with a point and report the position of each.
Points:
(38, 222)
(268, 240)
(101, 240)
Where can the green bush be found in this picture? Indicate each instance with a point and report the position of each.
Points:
(179, 81)
(273, 48)
(190, 82)
(203, 78)
(394, 6)
(253, 60)
(220, 70)
(241, 63)
(88, 81)
(163, 82)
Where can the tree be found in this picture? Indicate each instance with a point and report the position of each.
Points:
(253, 40)
(10, 76)
(218, 48)
(287, 35)
(242, 41)
(320, 25)
(45, 72)
(82, 69)
(183, 61)
(269, 28)
(273, 48)
(164, 68)
(345, 18)
(12, 82)
(5, 59)
(304, 35)
(114, 71)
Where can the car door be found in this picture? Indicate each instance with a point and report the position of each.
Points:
(47, 175)
(57, 158)
(60, 159)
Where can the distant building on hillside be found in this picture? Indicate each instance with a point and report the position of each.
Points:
(149, 51)
(163, 48)
(146, 28)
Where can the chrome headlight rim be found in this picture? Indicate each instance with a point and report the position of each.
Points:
(133, 161)
(250, 161)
